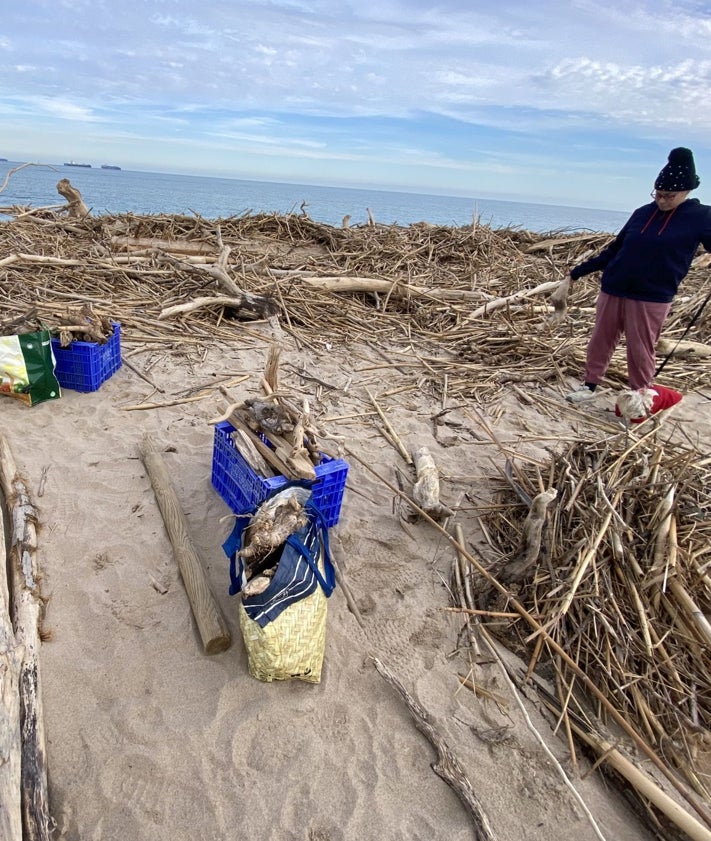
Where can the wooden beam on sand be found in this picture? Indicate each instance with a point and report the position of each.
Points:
(211, 623)
(26, 614)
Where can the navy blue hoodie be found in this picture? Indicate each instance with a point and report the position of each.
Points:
(652, 254)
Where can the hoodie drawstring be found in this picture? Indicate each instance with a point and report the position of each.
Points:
(666, 221)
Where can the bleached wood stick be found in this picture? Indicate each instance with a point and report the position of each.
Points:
(258, 303)
(391, 432)
(546, 244)
(26, 615)
(139, 406)
(210, 621)
(692, 610)
(521, 295)
(271, 367)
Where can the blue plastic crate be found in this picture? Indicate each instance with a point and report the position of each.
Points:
(243, 489)
(84, 366)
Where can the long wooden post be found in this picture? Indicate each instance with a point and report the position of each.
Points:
(210, 621)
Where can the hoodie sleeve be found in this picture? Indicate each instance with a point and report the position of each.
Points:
(600, 261)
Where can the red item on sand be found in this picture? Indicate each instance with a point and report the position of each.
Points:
(665, 398)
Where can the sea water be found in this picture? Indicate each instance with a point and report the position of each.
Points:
(110, 191)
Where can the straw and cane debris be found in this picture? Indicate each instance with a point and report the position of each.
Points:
(625, 588)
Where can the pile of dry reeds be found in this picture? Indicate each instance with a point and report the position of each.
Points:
(465, 308)
(622, 585)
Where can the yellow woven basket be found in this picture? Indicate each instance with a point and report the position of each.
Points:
(292, 646)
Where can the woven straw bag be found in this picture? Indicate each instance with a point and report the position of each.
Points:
(293, 645)
(284, 627)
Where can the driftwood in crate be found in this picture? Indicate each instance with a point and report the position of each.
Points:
(82, 325)
(286, 458)
(292, 450)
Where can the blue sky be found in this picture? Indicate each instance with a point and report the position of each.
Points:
(571, 102)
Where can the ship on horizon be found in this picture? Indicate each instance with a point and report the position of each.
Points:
(110, 166)
(74, 163)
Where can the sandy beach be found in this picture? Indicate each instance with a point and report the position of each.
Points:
(150, 738)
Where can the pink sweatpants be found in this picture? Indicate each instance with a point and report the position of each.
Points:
(641, 322)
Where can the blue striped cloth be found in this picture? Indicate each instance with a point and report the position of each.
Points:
(297, 574)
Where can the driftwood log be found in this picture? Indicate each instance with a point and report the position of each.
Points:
(123, 243)
(10, 741)
(260, 304)
(26, 616)
(447, 766)
(210, 621)
(683, 350)
(76, 207)
(238, 304)
(549, 244)
(516, 298)
(395, 288)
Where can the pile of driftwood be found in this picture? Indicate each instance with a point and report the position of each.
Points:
(619, 581)
(464, 309)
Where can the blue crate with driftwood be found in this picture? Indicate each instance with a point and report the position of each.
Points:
(243, 489)
(84, 366)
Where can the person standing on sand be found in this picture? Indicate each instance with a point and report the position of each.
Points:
(641, 273)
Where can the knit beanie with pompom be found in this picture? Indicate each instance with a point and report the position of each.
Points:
(679, 175)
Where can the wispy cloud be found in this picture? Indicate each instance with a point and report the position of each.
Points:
(456, 84)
